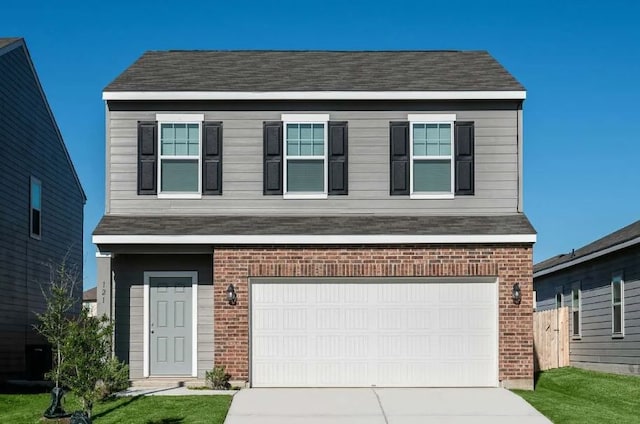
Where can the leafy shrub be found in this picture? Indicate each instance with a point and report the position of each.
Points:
(114, 379)
(218, 379)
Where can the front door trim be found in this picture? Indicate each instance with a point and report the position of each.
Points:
(145, 319)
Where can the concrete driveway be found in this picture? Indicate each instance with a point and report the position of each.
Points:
(381, 406)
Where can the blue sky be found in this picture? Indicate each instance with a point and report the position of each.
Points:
(579, 62)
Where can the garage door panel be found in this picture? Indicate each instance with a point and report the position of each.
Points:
(373, 334)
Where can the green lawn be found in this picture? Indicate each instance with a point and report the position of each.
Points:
(571, 395)
(134, 410)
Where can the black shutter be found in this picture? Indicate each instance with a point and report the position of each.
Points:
(272, 153)
(338, 158)
(464, 158)
(399, 158)
(212, 158)
(147, 157)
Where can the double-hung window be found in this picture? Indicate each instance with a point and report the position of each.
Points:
(576, 312)
(431, 149)
(35, 212)
(617, 305)
(179, 147)
(305, 156)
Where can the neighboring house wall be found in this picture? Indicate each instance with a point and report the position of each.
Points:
(497, 173)
(31, 147)
(91, 307)
(598, 348)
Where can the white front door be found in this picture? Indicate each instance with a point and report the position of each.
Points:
(358, 333)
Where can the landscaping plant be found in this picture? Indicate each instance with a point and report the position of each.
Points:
(89, 370)
(218, 379)
(53, 324)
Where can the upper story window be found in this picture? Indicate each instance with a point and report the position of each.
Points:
(179, 162)
(305, 156)
(432, 157)
(431, 151)
(35, 216)
(617, 305)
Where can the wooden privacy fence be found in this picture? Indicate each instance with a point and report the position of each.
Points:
(551, 339)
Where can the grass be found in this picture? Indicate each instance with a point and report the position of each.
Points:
(571, 395)
(28, 409)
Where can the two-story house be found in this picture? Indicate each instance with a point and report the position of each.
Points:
(318, 218)
(41, 212)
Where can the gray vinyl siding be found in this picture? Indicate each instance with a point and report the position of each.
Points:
(128, 271)
(497, 166)
(31, 146)
(598, 348)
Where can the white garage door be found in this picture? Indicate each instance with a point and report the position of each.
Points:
(359, 333)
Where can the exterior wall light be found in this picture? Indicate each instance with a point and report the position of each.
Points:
(516, 293)
(232, 297)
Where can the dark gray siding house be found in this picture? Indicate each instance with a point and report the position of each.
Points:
(41, 210)
(600, 283)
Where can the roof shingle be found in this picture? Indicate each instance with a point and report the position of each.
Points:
(314, 225)
(273, 71)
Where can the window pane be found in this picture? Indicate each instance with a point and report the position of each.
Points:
(616, 291)
(35, 222)
(305, 132)
(36, 191)
(305, 139)
(180, 139)
(617, 319)
(305, 176)
(432, 176)
(432, 132)
(558, 300)
(179, 175)
(576, 323)
(575, 299)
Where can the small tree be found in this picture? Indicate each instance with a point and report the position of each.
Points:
(89, 366)
(53, 322)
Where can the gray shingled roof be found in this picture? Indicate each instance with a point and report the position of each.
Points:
(313, 225)
(315, 71)
(6, 41)
(627, 233)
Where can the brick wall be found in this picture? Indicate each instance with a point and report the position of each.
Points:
(510, 263)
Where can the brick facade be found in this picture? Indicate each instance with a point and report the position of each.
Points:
(510, 263)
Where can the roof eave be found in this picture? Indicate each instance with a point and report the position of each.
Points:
(585, 258)
(315, 95)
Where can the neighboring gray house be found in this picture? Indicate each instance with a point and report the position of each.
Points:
(600, 283)
(41, 210)
(318, 218)
(89, 301)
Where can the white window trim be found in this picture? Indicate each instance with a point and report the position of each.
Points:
(33, 235)
(146, 340)
(292, 118)
(619, 335)
(174, 118)
(448, 118)
(579, 335)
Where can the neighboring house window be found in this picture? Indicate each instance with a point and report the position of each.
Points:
(576, 312)
(36, 208)
(305, 156)
(617, 305)
(431, 150)
(558, 298)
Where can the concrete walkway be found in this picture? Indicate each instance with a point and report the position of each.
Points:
(381, 406)
(173, 391)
